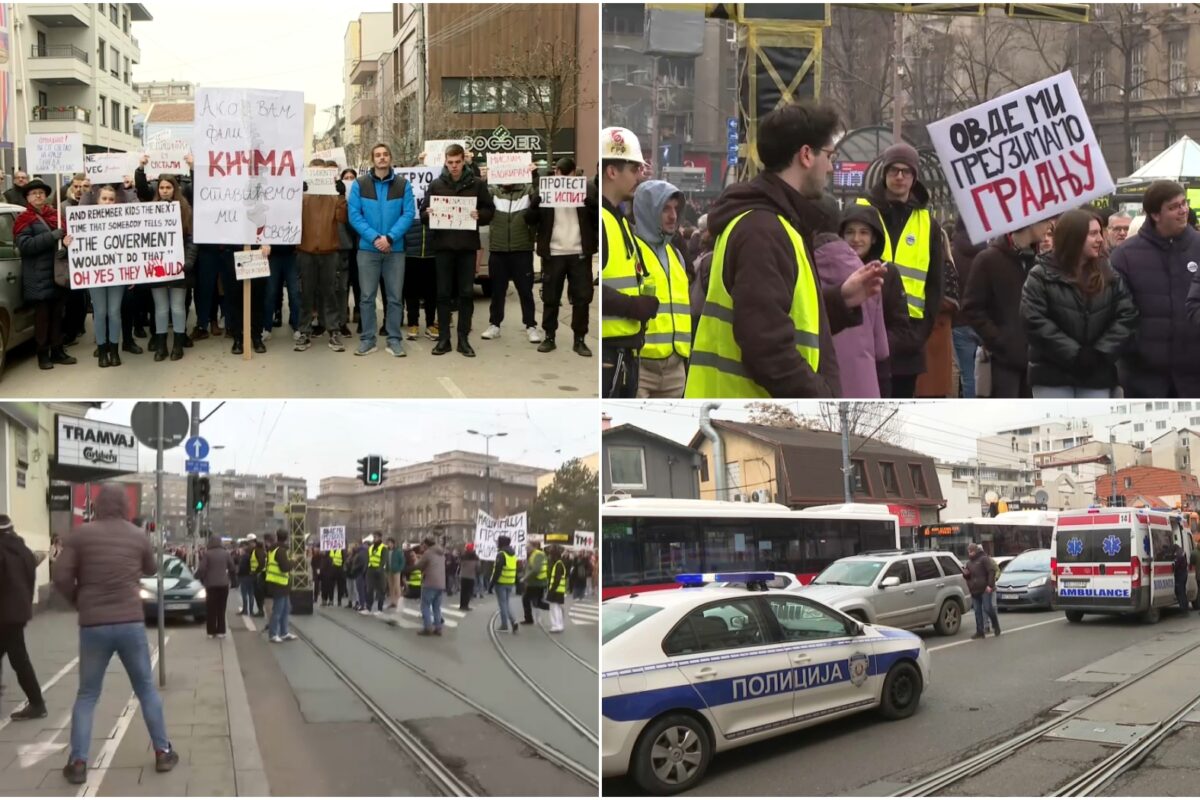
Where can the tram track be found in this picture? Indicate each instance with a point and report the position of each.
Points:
(544, 749)
(570, 653)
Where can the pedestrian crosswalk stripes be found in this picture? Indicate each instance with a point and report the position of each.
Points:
(584, 613)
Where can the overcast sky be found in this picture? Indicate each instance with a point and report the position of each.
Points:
(313, 439)
(944, 429)
(261, 44)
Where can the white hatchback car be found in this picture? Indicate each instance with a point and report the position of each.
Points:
(692, 672)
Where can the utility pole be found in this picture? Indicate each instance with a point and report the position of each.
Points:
(654, 116)
(897, 83)
(844, 417)
(158, 530)
(421, 73)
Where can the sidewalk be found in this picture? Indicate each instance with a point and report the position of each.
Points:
(206, 709)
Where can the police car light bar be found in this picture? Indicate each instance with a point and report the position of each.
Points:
(701, 578)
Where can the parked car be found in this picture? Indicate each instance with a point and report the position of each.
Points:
(183, 594)
(1025, 581)
(902, 588)
(16, 316)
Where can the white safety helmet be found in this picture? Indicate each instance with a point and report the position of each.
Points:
(252, 538)
(620, 144)
(369, 539)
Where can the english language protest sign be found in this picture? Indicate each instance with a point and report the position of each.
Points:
(508, 168)
(559, 191)
(1021, 157)
(50, 153)
(109, 167)
(320, 180)
(248, 148)
(249, 264)
(489, 528)
(451, 213)
(124, 243)
(333, 538)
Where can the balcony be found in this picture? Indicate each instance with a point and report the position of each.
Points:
(364, 109)
(55, 15)
(60, 119)
(364, 72)
(59, 65)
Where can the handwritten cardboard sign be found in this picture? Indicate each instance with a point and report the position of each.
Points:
(585, 540)
(321, 180)
(419, 178)
(248, 148)
(451, 213)
(560, 191)
(1022, 157)
(435, 151)
(489, 528)
(50, 153)
(333, 538)
(335, 154)
(251, 264)
(509, 168)
(124, 243)
(168, 157)
(108, 167)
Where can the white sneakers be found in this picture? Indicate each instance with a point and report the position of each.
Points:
(492, 332)
(287, 637)
(276, 639)
(365, 612)
(535, 336)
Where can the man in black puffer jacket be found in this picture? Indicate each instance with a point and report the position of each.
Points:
(1159, 265)
(18, 567)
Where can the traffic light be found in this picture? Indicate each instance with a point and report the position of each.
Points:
(382, 469)
(200, 502)
(372, 470)
(362, 471)
(191, 499)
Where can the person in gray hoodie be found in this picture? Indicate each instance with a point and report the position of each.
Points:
(664, 357)
(432, 563)
(217, 572)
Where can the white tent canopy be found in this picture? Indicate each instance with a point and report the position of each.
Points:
(1180, 160)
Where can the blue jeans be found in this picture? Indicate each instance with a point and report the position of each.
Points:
(212, 263)
(360, 589)
(106, 313)
(96, 647)
(280, 609)
(986, 603)
(1070, 393)
(173, 300)
(370, 267)
(246, 584)
(965, 342)
(431, 608)
(285, 268)
(503, 595)
(580, 587)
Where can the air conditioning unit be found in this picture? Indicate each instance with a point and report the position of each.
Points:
(741, 497)
(760, 496)
(609, 498)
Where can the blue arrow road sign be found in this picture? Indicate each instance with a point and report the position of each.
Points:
(196, 448)
(196, 466)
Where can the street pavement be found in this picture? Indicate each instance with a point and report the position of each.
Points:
(506, 367)
(981, 693)
(252, 718)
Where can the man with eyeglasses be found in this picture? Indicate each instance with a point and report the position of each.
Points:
(627, 296)
(1159, 265)
(1116, 230)
(915, 256)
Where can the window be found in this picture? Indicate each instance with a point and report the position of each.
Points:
(899, 569)
(127, 128)
(116, 63)
(1135, 149)
(116, 115)
(102, 52)
(1160, 426)
(1099, 91)
(729, 548)
(801, 621)
(949, 567)
(925, 568)
(1128, 483)
(627, 467)
(127, 76)
(1177, 52)
(103, 111)
(125, 20)
(114, 13)
(890, 484)
(724, 626)
(858, 476)
(917, 474)
(1184, 406)
(1138, 75)
(1138, 427)
(1161, 406)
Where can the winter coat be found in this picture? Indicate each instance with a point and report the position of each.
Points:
(980, 573)
(534, 564)
(18, 577)
(14, 196)
(418, 242)
(544, 219)
(217, 568)
(963, 254)
(1164, 359)
(38, 235)
(469, 185)
(432, 564)
(1063, 325)
(992, 301)
(760, 275)
(468, 565)
(861, 348)
(381, 208)
(557, 569)
(321, 217)
(103, 562)
(511, 229)
(641, 307)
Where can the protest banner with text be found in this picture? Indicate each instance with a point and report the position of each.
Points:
(489, 528)
(435, 151)
(250, 264)
(419, 178)
(335, 154)
(1020, 158)
(167, 157)
(109, 167)
(561, 191)
(333, 538)
(54, 153)
(509, 168)
(248, 148)
(585, 540)
(451, 213)
(320, 180)
(124, 243)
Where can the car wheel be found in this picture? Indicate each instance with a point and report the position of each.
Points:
(949, 619)
(672, 755)
(1151, 615)
(901, 691)
(1074, 616)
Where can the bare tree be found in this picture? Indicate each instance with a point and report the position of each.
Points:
(863, 419)
(544, 78)
(775, 415)
(857, 62)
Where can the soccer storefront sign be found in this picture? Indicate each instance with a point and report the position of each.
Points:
(1020, 158)
(489, 528)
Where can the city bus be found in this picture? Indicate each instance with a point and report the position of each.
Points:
(646, 542)
(1009, 533)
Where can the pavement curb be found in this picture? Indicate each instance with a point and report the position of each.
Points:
(250, 777)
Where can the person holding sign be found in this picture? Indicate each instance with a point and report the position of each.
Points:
(170, 298)
(1078, 313)
(381, 209)
(510, 256)
(455, 249)
(38, 231)
(566, 242)
(913, 242)
(106, 303)
(322, 216)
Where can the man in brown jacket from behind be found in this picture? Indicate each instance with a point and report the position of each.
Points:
(321, 217)
(99, 572)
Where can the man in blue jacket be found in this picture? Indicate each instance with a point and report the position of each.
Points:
(381, 210)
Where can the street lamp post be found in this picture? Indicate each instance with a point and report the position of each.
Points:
(487, 468)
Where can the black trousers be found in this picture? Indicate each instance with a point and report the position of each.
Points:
(327, 582)
(455, 281)
(576, 273)
(532, 598)
(260, 590)
(339, 583)
(904, 385)
(215, 601)
(420, 289)
(74, 313)
(137, 305)
(1008, 382)
(619, 373)
(466, 588)
(1181, 596)
(258, 293)
(12, 644)
(48, 321)
(517, 267)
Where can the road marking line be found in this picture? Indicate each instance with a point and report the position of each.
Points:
(46, 686)
(1003, 633)
(451, 387)
(109, 751)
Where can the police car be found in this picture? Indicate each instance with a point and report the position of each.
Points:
(780, 581)
(693, 672)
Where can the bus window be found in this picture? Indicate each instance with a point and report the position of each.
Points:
(622, 561)
(779, 547)
(729, 548)
(877, 535)
(669, 547)
(825, 541)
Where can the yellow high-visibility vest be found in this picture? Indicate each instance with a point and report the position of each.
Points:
(254, 561)
(910, 255)
(414, 579)
(559, 583)
(508, 569)
(375, 556)
(670, 331)
(336, 557)
(716, 366)
(274, 573)
(621, 271)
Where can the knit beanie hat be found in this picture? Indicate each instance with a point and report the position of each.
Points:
(902, 153)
